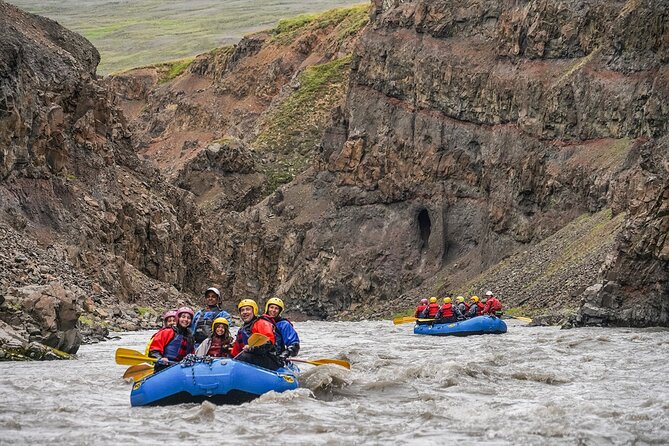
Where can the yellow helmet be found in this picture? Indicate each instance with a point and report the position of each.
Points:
(447, 300)
(275, 301)
(433, 300)
(248, 303)
(219, 320)
(460, 299)
(475, 299)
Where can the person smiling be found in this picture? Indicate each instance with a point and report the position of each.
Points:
(173, 344)
(264, 355)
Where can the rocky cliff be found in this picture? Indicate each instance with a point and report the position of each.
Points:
(473, 136)
(446, 147)
(86, 227)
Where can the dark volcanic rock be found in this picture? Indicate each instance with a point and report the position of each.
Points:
(471, 131)
(76, 204)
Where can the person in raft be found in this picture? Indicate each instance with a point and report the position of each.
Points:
(493, 306)
(445, 313)
(201, 325)
(219, 342)
(420, 308)
(174, 343)
(431, 310)
(169, 319)
(461, 307)
(287, 340)
(475, 308)
(262, 355)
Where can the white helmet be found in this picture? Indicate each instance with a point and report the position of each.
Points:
(215, 290)
(488, 293)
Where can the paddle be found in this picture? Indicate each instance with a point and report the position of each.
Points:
(255, 340)
(137, 372)
(403, 320)
(520, 318)
(126, 356)
(323, 361)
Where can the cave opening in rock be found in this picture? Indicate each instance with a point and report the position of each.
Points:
(425, 226)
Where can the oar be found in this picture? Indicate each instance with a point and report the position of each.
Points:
(520, 318)
(323, 361)
(255, 340)
(403, 320)
(126, 356)
(137, 372)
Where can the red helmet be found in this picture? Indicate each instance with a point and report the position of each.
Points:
(423, 301)
(185, 310)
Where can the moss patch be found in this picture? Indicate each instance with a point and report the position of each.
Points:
(85, 320)
(143, 310)
(348, 21)
(297, 123)
(170, 70)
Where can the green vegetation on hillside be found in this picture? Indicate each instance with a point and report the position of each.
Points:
(172, 69)
(295, 127)
(348, 20)
(136, 33)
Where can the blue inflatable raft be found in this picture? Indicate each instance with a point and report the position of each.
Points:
(218, 380)
(473, 326)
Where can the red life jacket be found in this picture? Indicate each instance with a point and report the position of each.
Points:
(216, 347)
(261, 324)
(492, 306)
(433, 308)
(479, 308)
(447, 310)
(419, 310)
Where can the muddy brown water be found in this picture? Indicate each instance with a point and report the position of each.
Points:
(532, 385)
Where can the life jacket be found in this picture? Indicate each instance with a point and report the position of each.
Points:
(215, 347)
(492, 306)
(420, 309)
(263, 325)
(479, 308)
(447, 310)
(148, 344)
(173, 343)
(433, 308)
(201, 325)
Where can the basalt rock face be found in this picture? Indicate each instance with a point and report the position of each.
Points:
(470, 131)
(634, 288)
(73, 195)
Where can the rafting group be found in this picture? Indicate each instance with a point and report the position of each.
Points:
(461, 310)
(207, 334)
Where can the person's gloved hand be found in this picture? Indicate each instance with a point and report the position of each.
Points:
(163, 361)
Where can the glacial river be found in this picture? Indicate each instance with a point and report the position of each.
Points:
(530, 386)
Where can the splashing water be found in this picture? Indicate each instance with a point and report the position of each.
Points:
(532, 385)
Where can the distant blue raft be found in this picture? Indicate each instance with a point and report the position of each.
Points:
(220, 381)
(474, 326)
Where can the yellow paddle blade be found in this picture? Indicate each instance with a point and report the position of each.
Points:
(137, 372)
(323, 361)
(134, 370)
(125, 356)
(340, 362)
(522, 318)
(257, 339)
(403, 320)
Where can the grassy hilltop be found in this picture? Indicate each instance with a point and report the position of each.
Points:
(140, 32)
